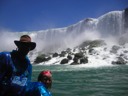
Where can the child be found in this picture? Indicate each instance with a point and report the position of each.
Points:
(40, 88)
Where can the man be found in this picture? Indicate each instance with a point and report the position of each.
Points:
(15, 68)
(40, 88)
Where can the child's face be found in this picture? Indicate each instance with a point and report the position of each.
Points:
(47, 81)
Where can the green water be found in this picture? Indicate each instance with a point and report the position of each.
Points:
(81, 81)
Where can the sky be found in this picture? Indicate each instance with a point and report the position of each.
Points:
(35, 15)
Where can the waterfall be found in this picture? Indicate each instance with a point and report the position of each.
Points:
(109, 24)
(113, 23)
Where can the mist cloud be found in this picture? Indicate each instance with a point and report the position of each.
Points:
(7, 41)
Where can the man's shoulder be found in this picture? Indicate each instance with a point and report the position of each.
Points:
(5, 54)
(4, 57)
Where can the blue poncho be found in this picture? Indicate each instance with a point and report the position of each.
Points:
(13, 78)
(37, 89)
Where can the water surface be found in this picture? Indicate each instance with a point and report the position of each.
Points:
(87, 81)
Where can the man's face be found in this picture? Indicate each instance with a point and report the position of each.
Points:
(47, 81)
(24, 48)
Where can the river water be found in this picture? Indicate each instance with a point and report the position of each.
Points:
(79, 80)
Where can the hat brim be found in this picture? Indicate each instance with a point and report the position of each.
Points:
(32, 45)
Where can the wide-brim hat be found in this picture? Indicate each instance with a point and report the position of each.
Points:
(25, 40)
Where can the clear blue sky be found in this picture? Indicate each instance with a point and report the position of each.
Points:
(31, 15)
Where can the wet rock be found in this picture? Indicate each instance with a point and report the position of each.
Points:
(69, 57)
(64, 61)
(41, 58)
(120, 61)
(63, 53)
(84, 60)
(55, 55)
(79, 55)
(92, 51)
(114, 49)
